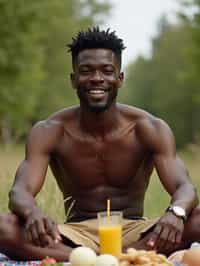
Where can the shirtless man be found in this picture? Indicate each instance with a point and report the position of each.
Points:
(98, 150)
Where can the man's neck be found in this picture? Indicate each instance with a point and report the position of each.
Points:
(99, 124)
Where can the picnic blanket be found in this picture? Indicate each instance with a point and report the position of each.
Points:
(5, 261)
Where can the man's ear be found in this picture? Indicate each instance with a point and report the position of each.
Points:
(73, 82)
(120, 79)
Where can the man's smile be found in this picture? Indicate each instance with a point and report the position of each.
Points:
(97, 92)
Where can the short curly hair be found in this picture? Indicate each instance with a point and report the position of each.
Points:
(95, 38)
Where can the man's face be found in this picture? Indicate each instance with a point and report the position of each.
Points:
(97, 78)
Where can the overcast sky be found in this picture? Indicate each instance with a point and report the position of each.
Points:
(135, 21)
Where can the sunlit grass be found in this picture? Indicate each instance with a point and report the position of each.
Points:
(50, 198)
(157, 199)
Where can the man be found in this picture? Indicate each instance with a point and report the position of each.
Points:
(98, 150)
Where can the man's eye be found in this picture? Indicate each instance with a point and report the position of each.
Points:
(85, 71)
(108, 71)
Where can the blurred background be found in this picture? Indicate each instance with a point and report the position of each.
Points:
(161, 65)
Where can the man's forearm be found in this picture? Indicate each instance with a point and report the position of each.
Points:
(185, 197)
(21, 202)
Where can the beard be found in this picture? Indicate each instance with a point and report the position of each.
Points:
(97, 106)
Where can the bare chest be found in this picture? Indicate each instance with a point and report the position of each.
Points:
(95, 162)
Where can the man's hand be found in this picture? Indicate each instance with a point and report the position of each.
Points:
(40, 229)
(167, 234)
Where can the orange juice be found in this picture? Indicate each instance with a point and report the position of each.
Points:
(110, 238)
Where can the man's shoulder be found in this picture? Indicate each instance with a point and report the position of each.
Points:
(44, 135)
(137, 115)
(152, 131)
(63, 116)
(57, 120)
(53, 127)
(147, 126)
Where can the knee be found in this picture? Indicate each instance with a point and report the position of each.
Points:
(192, 227)
(7, 222)
(194, 217)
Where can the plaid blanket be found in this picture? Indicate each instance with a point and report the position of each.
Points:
(5, 261)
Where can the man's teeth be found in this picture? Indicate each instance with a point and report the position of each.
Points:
(96, 91)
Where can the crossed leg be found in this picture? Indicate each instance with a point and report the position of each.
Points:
(14, 244)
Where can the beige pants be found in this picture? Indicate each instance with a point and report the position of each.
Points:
(86, 233)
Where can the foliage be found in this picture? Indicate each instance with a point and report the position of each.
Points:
(191, 15)
(34, 65)
(164, 85)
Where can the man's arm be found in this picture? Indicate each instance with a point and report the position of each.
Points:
(29, 179)
(159, 139)
(157, 136)
(176, 180)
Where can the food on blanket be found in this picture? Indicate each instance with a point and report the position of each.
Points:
(82, 256)
(48, 261)
(143, 258)
(191, 257)
(106, 260)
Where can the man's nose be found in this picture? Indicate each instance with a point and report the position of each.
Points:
(97, 76)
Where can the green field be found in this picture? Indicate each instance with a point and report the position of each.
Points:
(50, 198)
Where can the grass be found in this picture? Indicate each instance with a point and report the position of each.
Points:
(50, 198)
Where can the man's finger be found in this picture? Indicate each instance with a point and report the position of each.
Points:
(170, 245)
(152, 240)
(51, 229)
(158, 229)
(59, 238)
(165, 234)
(35, 235)
(28, 236)
(172, 237)
(42, 233)
(154, 236)
(40, 227)
(178, 238)
(45, 240)
(162, 240)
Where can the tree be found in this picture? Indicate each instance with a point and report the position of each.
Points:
(34, 65)
(160, 84)
(190, 15)
(20, 63)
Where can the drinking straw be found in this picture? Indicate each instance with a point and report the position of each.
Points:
(108, 208)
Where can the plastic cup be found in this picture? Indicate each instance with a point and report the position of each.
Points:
(110, 232)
